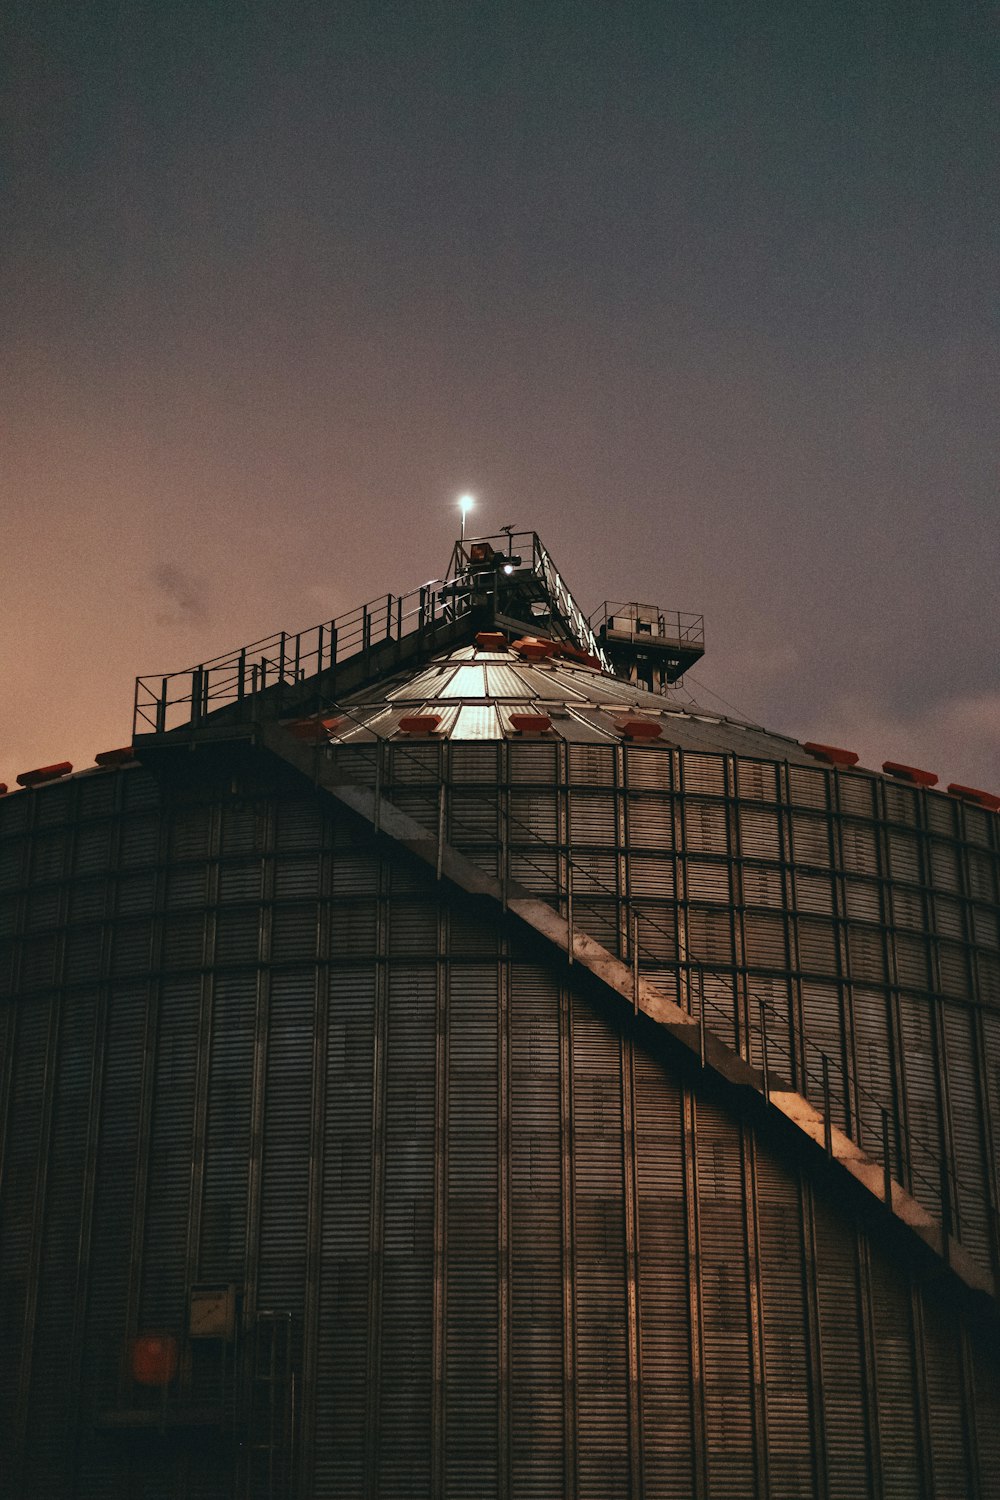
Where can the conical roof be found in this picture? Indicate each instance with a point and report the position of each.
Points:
(476, 692)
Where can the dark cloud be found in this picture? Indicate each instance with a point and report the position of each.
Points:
(185, 595)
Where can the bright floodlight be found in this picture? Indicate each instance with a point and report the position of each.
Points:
(465, 504)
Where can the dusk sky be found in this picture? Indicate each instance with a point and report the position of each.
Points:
(704, 291)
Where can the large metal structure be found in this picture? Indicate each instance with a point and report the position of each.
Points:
(434, 1065)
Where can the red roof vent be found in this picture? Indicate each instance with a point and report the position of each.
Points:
(419, 723)
(491, 640)
(153, 1358)
(639, 729)
(909, 773)
(573, 652)
(967, 793)
(114, 757)
(832, 754)
(314, 729)
(533, 649)
(44, 773)
(530, 723)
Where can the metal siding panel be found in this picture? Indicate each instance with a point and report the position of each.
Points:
(811, 840)
(532, 763)
(227, 1136)
(759, 833)
(471, 762)
(600, 1291)
(784, 1331)
(757, 779)
(473, 816)
(650, 822)
(899, 1433)
(842, 1356)
(763, 885)
(703, 773)
(164, 1266)
(114, 1205)
(342, 1359)
(923, 1136)
(415, 763)
(532, 818)
(705, 827)
(966, 1114)
(725, 1306)
(766, 940)
(591, 765)
(53, 1398)
(823, 1033)
(875, 1070)
(592, 817)
(286, 1142)
(25, 1116)
(986, 1416)
(808, 787)
(942, 1363)
(471, 1294)
(647, 768)
(406, 1329)
(664, 1273)
(708, 880)
(537, 1249)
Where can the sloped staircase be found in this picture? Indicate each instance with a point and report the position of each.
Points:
(243, 694)
(625, 985)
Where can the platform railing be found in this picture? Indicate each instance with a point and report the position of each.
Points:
(673, 626)
(171, 701)
(164, 702)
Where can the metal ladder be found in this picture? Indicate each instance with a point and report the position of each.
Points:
(270, 1413)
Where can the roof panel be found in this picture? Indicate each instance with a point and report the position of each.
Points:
(468, 682)
(477, 721)
(504, 681)
(556, 687)
(549, 686)
(426, 684)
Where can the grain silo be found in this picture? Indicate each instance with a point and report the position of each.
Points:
(436, 1063)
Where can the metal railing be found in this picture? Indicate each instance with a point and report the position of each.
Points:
(178, 699)
(757, 1034)
(673, 626)
(163, 703)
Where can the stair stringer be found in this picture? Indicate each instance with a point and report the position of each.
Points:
(638, 994)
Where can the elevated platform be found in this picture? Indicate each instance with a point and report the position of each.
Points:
(647, 645)
(508, 581)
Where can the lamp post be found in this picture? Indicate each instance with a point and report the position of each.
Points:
(465, 504)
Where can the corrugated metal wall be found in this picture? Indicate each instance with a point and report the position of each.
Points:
(516, 1256)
